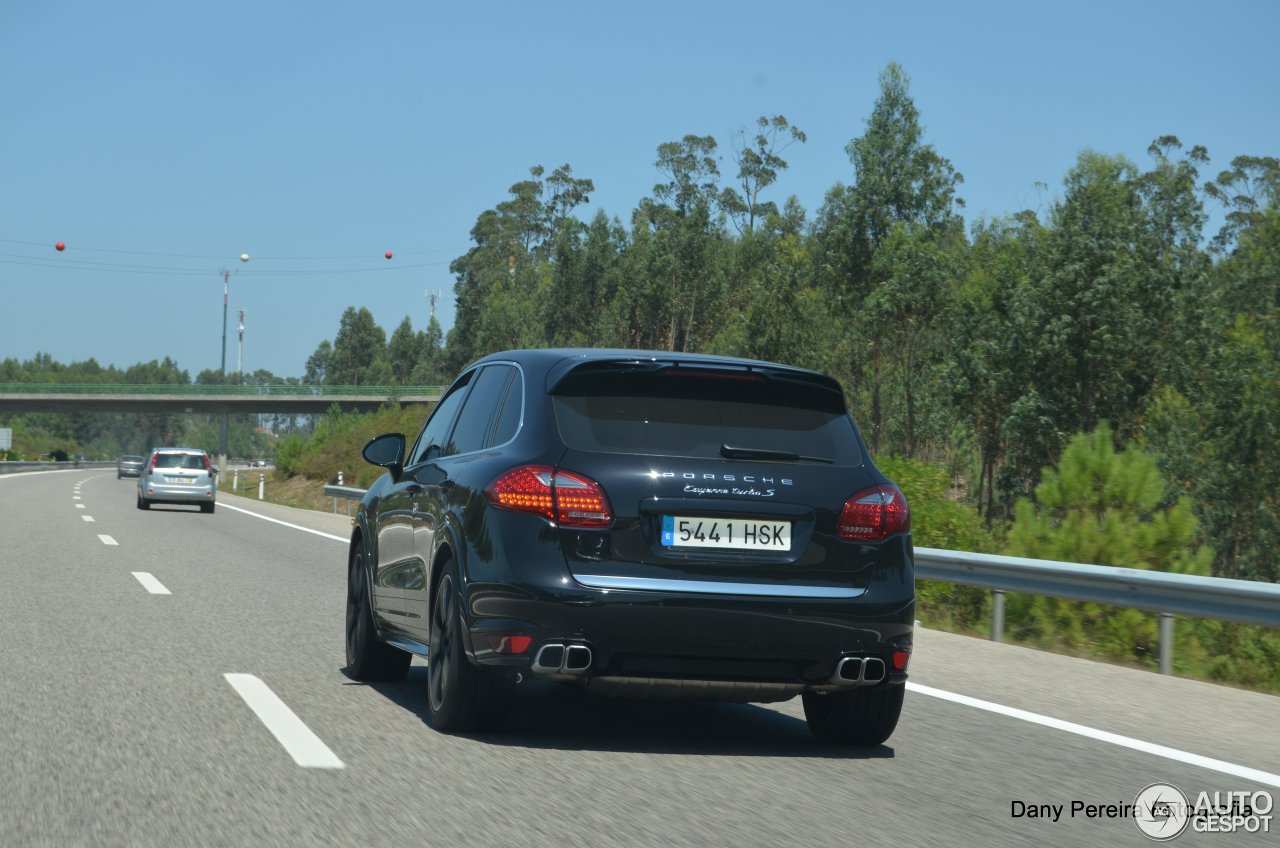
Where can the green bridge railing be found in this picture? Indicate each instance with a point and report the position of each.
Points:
(217, 391)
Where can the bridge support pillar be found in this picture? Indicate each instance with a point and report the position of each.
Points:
(222, 443)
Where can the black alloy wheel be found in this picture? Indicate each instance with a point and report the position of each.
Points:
(368, 658)
(461, 697)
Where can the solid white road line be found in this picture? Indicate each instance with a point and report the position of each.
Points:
(1256, 775)
(304, 746)
(151, 584)
(107, 540)
(285, 523)
(86, 517)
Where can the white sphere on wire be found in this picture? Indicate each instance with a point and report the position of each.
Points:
(244, 257)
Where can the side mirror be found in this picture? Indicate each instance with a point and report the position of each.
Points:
(386, 451)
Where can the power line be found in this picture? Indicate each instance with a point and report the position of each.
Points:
(256, 257)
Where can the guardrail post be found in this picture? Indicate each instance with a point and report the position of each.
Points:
(262, 485)
(997, 615)
(1166, 643)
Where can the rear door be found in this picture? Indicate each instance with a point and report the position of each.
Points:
(483, 422)
(721, 479)
(399, 513)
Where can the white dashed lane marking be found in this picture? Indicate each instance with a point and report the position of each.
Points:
(79, 506)
(304, 746)
(151, 584)
(86, 517)
(107, 540)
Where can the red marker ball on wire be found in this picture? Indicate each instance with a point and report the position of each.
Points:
(388, 254)
(60, 246)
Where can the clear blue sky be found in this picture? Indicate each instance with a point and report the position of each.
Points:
(161, 140)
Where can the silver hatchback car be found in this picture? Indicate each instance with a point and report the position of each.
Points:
(178, 475)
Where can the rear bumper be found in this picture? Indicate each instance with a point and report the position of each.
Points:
(178, 494)
(723, 644)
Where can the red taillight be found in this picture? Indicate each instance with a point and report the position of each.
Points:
(901, 659)
(207, 466)
(570, 500)
(875, 513)
(509, 644)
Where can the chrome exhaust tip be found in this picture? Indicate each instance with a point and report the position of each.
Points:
(873, 670)
(577, 658)
(849, 670)
(560, 660)
(859, 671)
(549, 659)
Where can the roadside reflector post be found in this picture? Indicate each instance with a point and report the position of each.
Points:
(235, 481)
(1166, 643)
(262, 485)
(997, 615)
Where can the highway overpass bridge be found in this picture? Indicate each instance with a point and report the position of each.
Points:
(17, 398)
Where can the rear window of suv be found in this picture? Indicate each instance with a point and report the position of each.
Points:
(694, 412)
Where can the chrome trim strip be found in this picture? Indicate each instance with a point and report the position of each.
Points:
(413, 646)
(708, 587)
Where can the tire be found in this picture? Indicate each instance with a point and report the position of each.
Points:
(368, 658)
(206, 506)
(855, 717)
(143, 503)
(461, 697)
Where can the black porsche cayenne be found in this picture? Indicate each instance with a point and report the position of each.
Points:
(644, 524)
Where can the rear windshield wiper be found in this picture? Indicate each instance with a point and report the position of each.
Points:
(730, 452)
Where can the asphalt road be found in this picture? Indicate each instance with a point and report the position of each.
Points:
(135, 718)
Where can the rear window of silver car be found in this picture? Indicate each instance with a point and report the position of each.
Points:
(180, 460)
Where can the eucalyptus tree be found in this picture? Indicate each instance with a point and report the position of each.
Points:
(497, 281)
(991, 366)
(679, 234)
(759, 160)
(900, 181)
(405, 352)
(359, 350)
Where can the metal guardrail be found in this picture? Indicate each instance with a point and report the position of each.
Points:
(1220, 598)
(345, 492)
(1244, 601)
(192, 389)
(16, 466)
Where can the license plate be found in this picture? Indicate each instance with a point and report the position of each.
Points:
(182, 480)
(741, 534)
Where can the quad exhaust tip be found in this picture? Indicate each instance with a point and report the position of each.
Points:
(859, 671)
(562, 660)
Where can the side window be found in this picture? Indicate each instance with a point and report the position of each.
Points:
(477, 415)
(512, 409)
(438, 425)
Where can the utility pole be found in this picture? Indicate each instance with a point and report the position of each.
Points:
(240, 351)
(226, 415)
